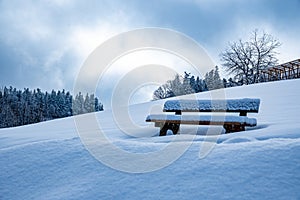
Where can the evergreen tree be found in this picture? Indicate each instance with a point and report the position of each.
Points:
(186, 85)
(176, 86)
(98, 105)
(217, 79)
(209, 80)
(213, 80)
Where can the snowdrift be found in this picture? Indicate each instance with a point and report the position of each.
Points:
(49, 161)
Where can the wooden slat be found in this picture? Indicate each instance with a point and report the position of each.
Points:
(202, 122)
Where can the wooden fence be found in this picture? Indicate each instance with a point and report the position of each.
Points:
(289, 70)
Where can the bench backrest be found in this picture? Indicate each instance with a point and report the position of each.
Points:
(243, 106)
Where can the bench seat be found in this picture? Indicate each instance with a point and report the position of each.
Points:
(230, 123)
(209, 119)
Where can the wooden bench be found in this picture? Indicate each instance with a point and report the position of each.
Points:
(229, 122)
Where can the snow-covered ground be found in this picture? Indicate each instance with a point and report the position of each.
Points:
(49, 161)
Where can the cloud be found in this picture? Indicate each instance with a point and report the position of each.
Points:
(84, 40)
(172, 51)
(52, 38)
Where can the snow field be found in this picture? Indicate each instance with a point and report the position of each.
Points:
(48, 160)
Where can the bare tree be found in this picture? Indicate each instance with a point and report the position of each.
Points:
(246, 59)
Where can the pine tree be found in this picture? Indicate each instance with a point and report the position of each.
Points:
(176, 86)
(216, 79)
(68, 104)
(209, 80)
(186, 85)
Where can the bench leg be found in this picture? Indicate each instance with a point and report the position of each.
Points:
(233, 128)
(173, 127)
(238, 128)
(228, 128)
(163, 130)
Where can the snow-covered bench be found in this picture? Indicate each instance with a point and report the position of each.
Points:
(229, 122)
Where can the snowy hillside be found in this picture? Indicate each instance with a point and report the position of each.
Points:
(49, 161)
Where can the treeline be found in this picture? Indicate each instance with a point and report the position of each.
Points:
(19, 107)
(188, 84)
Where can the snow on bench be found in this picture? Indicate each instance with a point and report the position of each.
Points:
(230, 123)
(243, 106)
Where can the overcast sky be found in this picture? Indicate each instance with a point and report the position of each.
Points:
(44, 43)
